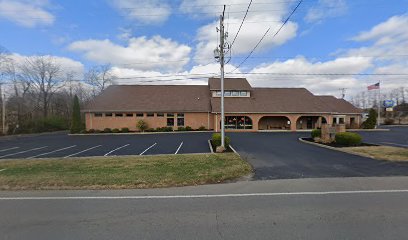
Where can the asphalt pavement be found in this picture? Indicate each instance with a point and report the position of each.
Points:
(397, 136)
(352, 208)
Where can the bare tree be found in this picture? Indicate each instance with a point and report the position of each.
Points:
(99, 78)
(43, 75)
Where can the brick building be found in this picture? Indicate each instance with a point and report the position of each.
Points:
(246, 108)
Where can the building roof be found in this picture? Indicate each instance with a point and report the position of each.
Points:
(151, 98)
(273, 100)
(197, 98)
(229, 84)
(339, 105)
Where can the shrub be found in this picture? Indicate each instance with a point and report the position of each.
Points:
(389, 121)
(316, 133)
(125, 130)
(216, 140)
(107, 130)
(83, 131)
(371, 120)
(202, 128)
(76, 125)
(91, 130)
(115, 130)
(348, 139)
(188, 128)
(142, 125)
(181, 129)
(150, 130)
(98, 131)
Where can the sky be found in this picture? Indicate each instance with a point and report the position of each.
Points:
(149, 40)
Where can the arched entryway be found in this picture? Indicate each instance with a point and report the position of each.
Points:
(274, 123)
(310, 122)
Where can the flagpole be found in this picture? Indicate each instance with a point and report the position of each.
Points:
(379, 103)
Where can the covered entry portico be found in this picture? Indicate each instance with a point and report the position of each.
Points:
(310, 122)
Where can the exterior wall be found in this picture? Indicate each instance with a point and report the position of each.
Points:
(194, 120)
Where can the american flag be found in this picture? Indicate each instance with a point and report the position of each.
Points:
(374, 86)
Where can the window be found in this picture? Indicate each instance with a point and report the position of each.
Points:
(139, 115)
(129, 114)
(160, 114)
(108, 114)
(180, 119)
(218, 93)
(118, 114)
(227, 93)
(238, 122)
(98, 114)
(341, 120)
(243, 94)
(235, 93)
(170, 121)
(170, 114)
(150, 115)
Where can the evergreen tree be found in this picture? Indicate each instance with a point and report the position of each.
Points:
(371, 120)
(76, 125)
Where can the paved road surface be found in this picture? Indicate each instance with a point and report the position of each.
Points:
(397, 136)
(313, 209)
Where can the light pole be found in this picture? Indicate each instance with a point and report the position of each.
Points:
(219, 54)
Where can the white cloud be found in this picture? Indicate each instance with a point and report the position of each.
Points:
(143, 11)
(326, 9)
(268, 14)
(67, 65)
(26, 13)
(141, 53)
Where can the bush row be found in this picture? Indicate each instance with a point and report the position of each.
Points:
(348, 139)
(159, 129)
(49, 124)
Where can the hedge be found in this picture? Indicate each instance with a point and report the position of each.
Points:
(316, 133)
(216, 140)
(348, 139)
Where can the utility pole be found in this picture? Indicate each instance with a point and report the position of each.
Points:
(343, 92)
(3, 110)
(219, 53)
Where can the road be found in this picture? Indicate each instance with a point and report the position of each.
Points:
(351, 208)
(397, 136)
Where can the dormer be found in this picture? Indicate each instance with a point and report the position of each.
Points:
(233, 87)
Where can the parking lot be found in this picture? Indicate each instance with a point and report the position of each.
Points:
(273, 155)
(64, 146)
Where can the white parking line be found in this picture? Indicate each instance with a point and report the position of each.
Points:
(178, 149)
(58, 150)
(116, 149)
(232, 195)
(147, 149)
(7, 149)
(4, 169)
(396, 144)
(86, 150)
(30, 150)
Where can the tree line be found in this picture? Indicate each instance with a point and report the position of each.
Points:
(38, 92)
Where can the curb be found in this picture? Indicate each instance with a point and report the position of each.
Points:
(134, 133)
(333, 148)
(233, 149)
(369, 130)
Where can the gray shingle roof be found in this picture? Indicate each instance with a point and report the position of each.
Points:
(229, 84)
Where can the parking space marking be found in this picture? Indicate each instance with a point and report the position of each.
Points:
(4, 169)
(147, 149)
(58, 150)
(178, 149)
(86, 150)
(396, 144)
(30, 150)
(8, 149)
(116, 149)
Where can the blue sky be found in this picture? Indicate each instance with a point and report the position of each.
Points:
(159, 37)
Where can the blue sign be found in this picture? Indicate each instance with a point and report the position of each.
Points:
(389, 103)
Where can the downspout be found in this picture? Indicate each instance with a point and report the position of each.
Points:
(208, 120)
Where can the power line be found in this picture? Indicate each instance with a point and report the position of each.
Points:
(242, 23)
(259, 42)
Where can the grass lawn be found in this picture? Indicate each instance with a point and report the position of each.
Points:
(382, 152)
(121, 171)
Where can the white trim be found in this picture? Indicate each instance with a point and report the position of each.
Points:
(233, 195)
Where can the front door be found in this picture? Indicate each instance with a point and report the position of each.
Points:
(309, 124)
